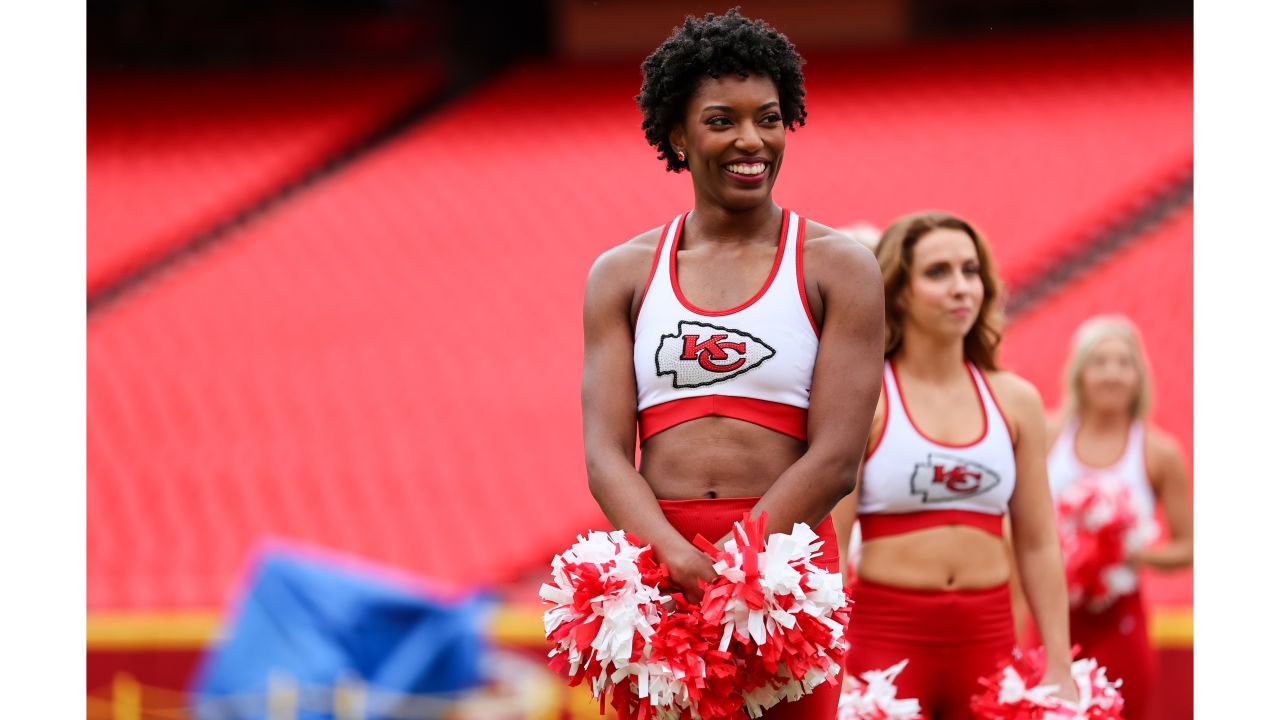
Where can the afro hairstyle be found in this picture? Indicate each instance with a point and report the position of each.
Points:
(713, 46)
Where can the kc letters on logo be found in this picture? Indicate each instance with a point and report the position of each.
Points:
(945, 477)
(700, 354)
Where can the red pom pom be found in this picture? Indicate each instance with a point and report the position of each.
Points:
(769, 628)
(1100, 528)
(1015, 692)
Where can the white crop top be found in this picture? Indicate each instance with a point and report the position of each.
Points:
(935, 483)
(753, 362)
(1130, 470)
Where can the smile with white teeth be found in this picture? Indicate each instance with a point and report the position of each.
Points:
(745, 169)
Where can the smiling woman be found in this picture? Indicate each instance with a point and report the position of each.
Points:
(741, 340)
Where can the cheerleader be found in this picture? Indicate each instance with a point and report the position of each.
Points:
(956, 454)
(1103, 431)
(703, 334)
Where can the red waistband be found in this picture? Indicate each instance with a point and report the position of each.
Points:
(707, 512)
(713, 518)
(783, 418)
(874, 525)
(932, 618)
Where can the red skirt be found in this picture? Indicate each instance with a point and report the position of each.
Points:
(713, 518)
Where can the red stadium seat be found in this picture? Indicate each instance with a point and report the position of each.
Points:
(171, 154)
(388, 362)
(1151, 283)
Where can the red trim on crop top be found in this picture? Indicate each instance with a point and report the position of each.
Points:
(653, 270)
(996, 401)
(777, 262)
(976, 391)
(804, 296)
(874, 525)
(780, 417)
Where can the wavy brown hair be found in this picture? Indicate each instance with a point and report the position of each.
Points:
(894, 251)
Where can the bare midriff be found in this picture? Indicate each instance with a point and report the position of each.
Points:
(948, 557)
(714, 457)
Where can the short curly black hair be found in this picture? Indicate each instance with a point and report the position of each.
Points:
(715, 45)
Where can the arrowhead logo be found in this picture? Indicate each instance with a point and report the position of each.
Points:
(946, 477)
(701, 354)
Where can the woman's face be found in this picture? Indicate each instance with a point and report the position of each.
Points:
(944, 289)
(1109, 378)
(733, 138)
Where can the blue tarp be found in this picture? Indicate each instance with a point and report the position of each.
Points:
(317, 623)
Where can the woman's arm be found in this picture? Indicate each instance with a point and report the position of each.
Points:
(609, 420)
(846, 384)
(1034, 528)
(1017, 597)
(844, 516)
(1168, 473)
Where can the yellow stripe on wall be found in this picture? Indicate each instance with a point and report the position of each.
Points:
(1172, 627)
(512, 625)
(189, 630)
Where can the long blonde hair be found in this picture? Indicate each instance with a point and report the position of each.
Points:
(1088, 335)
(894, 254)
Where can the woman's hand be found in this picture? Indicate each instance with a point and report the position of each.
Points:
(1136, 559)
(687, 565)
(1060, 674)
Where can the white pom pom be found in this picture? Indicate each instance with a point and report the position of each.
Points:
(874, 696)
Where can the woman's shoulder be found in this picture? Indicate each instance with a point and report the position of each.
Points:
(1016, 396)
(1011, 385)
(632, 256)
(825, 247)
(619, 275)
(817, 235)
(1056, 423)
(1162, 448)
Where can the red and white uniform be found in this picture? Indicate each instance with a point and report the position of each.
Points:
(1065, 467)
(1118, 635)
(753, 362)
(911, 482)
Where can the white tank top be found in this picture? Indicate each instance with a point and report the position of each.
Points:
(907, 472)
(753, 362)
(1130, 470)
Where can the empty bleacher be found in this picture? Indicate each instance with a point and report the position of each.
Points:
(387, 362)
(171, 154)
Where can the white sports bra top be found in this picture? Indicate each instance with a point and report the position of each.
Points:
(1065, 467)
(753, 362)
(908, 473)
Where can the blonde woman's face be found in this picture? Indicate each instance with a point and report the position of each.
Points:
(944, 292)
(1109, 378)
